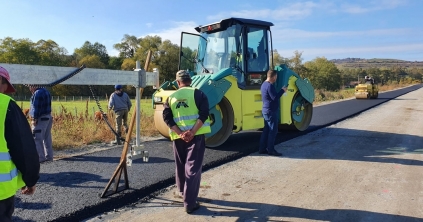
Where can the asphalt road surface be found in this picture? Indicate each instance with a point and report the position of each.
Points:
(69, 189)
(366, 168)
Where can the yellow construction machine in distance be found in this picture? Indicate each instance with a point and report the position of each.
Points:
(367, 90)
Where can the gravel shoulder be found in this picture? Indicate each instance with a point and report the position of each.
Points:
(366, 168)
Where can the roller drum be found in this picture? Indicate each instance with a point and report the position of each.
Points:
(159, 122)
(362, 95)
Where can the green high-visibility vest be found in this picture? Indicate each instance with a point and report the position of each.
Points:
(10, 177)
(185, 112)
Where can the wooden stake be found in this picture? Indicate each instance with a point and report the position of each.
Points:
(122, 163)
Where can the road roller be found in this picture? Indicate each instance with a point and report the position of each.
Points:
(367, 90)
(228, 61)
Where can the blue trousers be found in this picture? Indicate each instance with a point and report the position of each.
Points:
(267, 139)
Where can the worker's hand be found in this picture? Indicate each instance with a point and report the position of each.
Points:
(28, 190)
(284, 88)
(187, 136)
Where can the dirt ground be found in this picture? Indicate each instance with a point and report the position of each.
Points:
(366, 168)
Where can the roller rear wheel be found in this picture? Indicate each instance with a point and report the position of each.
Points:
(225, 131)
(301, 114)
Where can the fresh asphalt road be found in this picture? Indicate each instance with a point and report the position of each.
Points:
(69, 189)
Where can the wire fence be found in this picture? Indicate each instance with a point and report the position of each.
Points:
(73, 98)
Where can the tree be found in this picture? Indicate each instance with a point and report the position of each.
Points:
(148, 43)
(324, 74)
(296, 63)
(278, 59)
(20, 51)
(128, 46)
(375, 73)
(92, 61)
(115, 63)
(89, 49)
(128, 64)
(168, 60)
(50, 53)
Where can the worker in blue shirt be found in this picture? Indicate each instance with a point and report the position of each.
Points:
(270, 111)
(41, 122)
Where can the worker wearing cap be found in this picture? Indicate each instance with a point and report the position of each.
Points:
(19, 166)
(121, 104)
(41, 122)
(186, 113)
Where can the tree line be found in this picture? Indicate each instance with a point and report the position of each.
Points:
(165, 57)
(322, 73)
(325, 75)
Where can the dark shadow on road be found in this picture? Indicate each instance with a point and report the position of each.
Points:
(252, 211)
(24, 205)
(71, 179)
(243, 211)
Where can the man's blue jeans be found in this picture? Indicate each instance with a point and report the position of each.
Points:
(267, 140)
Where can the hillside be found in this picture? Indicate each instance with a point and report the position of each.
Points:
(375, 63)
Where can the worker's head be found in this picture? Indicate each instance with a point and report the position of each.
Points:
(118, 87)
(272, 76)
(5, 85)
(183, 78)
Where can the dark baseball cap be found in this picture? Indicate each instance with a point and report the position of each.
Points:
(182, 75)
(5, 74)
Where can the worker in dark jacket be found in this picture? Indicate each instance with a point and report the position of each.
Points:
(270, 111)
(121, 105)
(41, 122)
(186, 113)
(19, 166)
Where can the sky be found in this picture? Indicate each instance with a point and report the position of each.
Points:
(333, 29)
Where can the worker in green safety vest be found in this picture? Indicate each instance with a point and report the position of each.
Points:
(19, 165)
(186, 114)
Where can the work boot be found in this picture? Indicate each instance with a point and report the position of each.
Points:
(117, 141)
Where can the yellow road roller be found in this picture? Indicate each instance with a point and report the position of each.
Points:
(228, 61)
(367, 90)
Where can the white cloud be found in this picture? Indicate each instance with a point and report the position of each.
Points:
(173, 33)
(289, 12)
(301, 10)
(372, 6)
(295, 34)
(149, 24)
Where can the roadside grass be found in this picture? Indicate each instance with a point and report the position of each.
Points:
(74, 124)
(77, 107)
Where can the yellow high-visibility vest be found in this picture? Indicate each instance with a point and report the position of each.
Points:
(10, 177)
(185, 112)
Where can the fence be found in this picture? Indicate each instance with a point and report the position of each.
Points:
(71, 98)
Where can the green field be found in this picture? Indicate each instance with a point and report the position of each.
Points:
(79, 107)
